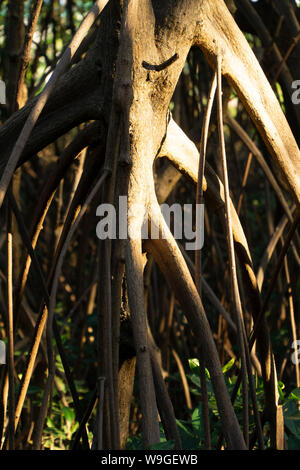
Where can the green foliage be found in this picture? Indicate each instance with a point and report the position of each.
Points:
(136, 443)
(192, 431)
(61, 423)
(60, 428)
(291, 412)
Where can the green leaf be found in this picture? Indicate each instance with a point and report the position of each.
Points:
(50, 423)
(34, 389)
(195, 379)
(165, 445)
(188, 439)
(281, 386)
(195, 368)
(292, 418)
(134, 443)
(228, 366)
(68, 413)
(59, 364)
(183, 428)
(194, 365)
(295, 394)
(289, 409)
(293, 424)
(293, 443)
(74, 427)
(197, 421)
(61, 384)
